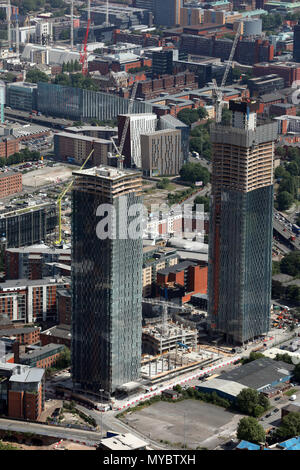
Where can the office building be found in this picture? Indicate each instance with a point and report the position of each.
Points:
(28, 226)
(167, 12)
(106, 280)
(240, 234)
(139, 124)
(22, 391)
(296, 50)
(170, 122)
(162, 62)
(22, 95)
(42, 356)
(161, 153)
(79, 104)
(155, 258)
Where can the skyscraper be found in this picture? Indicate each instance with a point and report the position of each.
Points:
(167, 12)
(240, 238)
(296, 53)
(106, 280)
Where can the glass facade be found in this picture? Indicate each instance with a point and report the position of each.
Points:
(77, 104)
(245, 244)
(26, 228)
(106, 296)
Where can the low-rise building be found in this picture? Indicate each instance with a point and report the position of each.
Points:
(22, 391)
(10, 183)
(43, 356)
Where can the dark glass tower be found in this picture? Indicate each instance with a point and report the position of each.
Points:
(106, 282)
(296, 53)
(240, 238)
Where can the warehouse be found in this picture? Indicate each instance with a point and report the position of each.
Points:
(224, 388)
(260, 374)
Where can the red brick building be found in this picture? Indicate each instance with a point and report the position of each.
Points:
(23, 391)
(10, 183)
(8, 146)
(23, 335)
(289, 71)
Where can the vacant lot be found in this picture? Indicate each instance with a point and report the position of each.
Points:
(190, 421)
(47, 175)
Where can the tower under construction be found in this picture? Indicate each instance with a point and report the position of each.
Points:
(240, 238)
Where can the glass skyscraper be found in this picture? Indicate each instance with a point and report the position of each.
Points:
(106, 281)
(241, 216)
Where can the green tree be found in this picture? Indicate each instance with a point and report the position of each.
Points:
(280, 172)
(289, 427)
(202, 113)
(248, 399)
(202, 200)
(188, 116)
(35, 76)
(193, 172)
(290, 264)
(284, 200)
(296, 373)
(250, 430)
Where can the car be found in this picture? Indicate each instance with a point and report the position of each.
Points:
(268, 415)
(276, 410)
(277, 398)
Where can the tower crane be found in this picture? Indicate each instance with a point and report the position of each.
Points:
(83, 54)
(62, 195)
(126, 125)
(218, 93)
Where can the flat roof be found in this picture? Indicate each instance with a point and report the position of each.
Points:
(48, 348)
(23, 283)
(259, 373)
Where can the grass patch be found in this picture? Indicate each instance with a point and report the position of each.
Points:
(290, 392)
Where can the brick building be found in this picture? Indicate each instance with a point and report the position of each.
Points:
(58, 334)
(64, 306)
(43, 356)
(170, 84)
(8, 146)
(22, 335)
(29, 301)
(78, 147)
(22, 391)
(289, 71)
(10, 183)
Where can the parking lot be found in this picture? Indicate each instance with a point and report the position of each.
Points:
(190, 421)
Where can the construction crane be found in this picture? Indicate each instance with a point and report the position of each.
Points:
(62, 195)
(126, 125)
(83, 54)
(218, 93)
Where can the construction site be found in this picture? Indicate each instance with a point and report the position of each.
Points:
(171, 345)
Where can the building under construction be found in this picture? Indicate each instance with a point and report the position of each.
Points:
(165, 337)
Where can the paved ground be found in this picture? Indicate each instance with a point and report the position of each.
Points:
(189, 421)
(47, 175)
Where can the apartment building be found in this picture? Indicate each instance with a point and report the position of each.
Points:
(161, 153)
(10, 183)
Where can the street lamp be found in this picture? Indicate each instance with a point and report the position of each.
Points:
(101, 390)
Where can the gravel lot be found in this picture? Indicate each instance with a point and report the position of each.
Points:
(165, 421)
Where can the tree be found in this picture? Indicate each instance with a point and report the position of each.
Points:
(202, 113)
(290, 263)
(250, 430)
(248, 399)
(280, 151)
(35, 76)
(290, 426)
(284, 200)
(202, 200)
(188, 116)
(296, 372)
(293, 168)
(280, 172)
(193, 172)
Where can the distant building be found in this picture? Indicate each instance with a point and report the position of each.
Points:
(76, 147)
(21, 95)
(296, 50)
(154, 259)
(265, 84)
(170, 122)
(8, 146)
(10, 183)
(162, 62)
(167, 12)
(139, 124)
(161, 153)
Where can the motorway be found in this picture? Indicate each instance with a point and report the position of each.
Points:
(282, 226)
(90, 438)
(23, 116)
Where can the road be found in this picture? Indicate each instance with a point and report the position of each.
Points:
(87, 437)
(23, 116)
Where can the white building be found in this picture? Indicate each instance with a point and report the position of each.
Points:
(144, 123)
